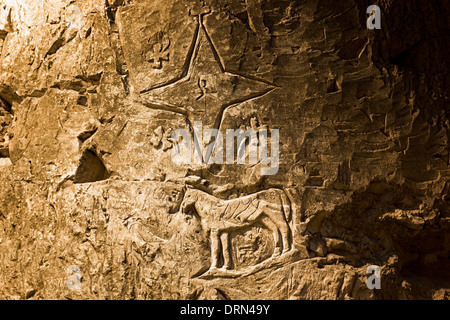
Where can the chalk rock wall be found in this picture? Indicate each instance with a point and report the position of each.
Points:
(92, 205)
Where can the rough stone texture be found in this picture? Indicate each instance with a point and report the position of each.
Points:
(86, 177)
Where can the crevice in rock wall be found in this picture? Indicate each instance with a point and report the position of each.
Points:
(91, 168)
(63, 37)
(5, 105)
(82, 101)
(85, 135)
(57, 44)
(6, 118)
(8, 96)
(111, 8)
(79, 84)
(93, 79)
(4, 152)
(7, 26)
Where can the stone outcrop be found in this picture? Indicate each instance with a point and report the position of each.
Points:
(92, 91)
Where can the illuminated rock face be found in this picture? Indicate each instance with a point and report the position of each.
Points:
(91, 94)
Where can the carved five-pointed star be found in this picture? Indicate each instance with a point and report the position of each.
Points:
(207, 89)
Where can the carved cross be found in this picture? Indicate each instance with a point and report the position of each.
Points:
(157, 55)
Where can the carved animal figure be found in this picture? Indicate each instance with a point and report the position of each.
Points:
(271, 207)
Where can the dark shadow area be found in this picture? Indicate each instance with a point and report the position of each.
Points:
(90, 169)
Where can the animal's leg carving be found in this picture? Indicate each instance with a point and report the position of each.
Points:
(279, 219)
(215, 248)
(225, 241)
(276, 235)
(284, 229)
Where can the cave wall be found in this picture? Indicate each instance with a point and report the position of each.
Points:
(91, 91)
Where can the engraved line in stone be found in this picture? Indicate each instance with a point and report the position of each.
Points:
(164, 107)
(219, 119)
(213, 48)
(222, 65)
(186, 66)
(192, 55)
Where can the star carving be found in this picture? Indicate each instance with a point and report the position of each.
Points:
(206, 90)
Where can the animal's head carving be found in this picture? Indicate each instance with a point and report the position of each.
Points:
(189, 200)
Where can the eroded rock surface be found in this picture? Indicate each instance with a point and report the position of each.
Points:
(91, 92)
